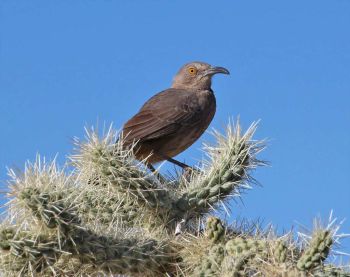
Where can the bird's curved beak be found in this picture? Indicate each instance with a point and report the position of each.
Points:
(214, 70)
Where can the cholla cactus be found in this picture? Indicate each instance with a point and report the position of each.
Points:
(105, 214)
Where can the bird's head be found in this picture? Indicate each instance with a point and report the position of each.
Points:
(196, 75)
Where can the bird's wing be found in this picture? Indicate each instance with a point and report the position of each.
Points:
(162, 115)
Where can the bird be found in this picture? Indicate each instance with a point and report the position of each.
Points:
(173, 119)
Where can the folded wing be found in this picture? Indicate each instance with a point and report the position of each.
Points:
(162, 115)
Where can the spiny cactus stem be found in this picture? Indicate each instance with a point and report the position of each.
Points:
(317, 251)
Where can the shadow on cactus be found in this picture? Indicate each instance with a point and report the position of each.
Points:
(105, 214)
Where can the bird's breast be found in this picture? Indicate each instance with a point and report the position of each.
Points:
(204, 104)
(206, 110)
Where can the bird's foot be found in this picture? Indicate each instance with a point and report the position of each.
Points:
(156, 173)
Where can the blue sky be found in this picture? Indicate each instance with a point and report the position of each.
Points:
(68, 64)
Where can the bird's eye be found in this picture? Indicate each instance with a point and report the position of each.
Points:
(192, 70)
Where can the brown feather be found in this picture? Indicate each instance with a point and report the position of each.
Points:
(162, 115)
(170, 122)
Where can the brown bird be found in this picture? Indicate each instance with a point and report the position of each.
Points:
(172, 120)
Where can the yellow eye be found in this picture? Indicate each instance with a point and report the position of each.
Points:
(192, 70)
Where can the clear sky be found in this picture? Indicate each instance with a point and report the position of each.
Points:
(66, 64)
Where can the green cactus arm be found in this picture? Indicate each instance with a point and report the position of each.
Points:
(109, 254)
(226, 173)
(121, 256)
(215, 230)
(317, 251)
(24, 251)
(30, 253)
(104, 162)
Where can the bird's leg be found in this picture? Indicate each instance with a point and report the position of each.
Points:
(151, 167)
(180, 164)
(184, 166)
(156, 173)
(169, 159)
